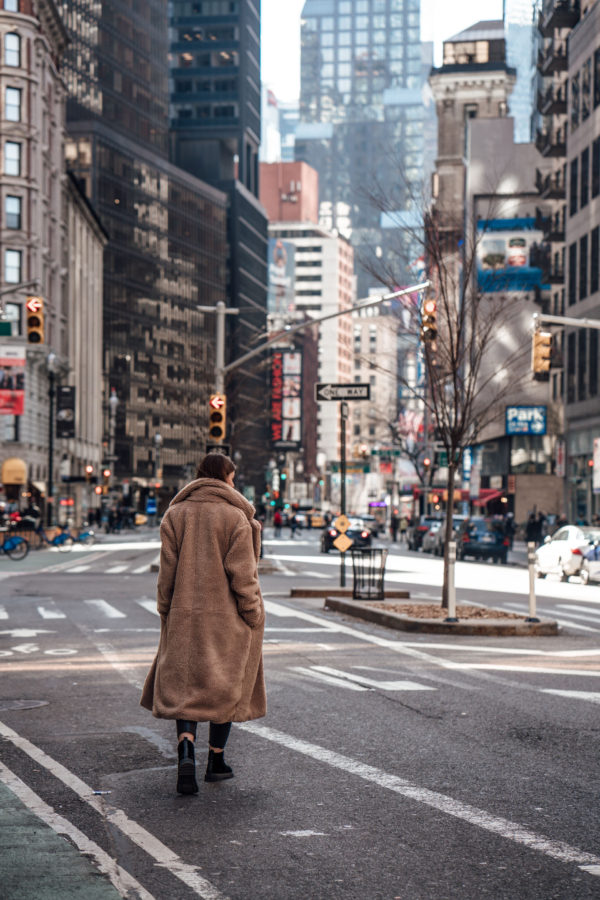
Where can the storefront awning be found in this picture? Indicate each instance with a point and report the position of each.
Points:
(39, 486)
(486, 495)
(14, 471)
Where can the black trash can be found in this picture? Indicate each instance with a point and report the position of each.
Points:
(368, 570)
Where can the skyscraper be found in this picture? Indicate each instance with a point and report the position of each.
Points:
(168, 243)
(519, 32)
(215, 121)
(361, 126)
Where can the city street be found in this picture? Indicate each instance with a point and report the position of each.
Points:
(389, 765)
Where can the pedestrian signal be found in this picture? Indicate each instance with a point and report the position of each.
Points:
(217, 417)
(428, 323)
(34, 307)
(541, 355)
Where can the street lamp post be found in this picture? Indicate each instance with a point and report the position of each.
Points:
(157, 445)
(113, 402)
(51, 367)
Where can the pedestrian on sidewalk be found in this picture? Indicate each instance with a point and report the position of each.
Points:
(394, 525)
(208, 667)
(277, 522)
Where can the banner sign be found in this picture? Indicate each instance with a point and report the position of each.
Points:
(511, 255)
(12, 380)
(286, 400)
(281, 283)
(526, 419)
(65, 412)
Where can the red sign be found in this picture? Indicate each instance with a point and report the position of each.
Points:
(217, 401)
(34, 304)
(12, 381)
(277, 397)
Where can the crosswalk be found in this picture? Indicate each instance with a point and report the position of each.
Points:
(102, 608)
(93, 568)
(568, 615)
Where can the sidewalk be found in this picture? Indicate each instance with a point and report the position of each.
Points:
(36, 861)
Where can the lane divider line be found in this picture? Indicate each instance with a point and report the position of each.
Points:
(122, 880)
(512, 831)
(147, 842)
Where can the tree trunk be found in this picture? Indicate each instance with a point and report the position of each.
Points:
(448, 527)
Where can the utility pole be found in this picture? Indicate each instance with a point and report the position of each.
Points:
(220, 310)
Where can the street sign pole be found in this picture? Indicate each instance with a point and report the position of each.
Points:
(344, 411)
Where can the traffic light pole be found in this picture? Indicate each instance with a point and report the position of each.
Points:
(344, 413)
(220, 310)
(538, 318)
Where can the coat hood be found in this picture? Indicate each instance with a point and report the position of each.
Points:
(211, 489)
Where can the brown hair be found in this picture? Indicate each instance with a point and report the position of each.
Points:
(215, 465)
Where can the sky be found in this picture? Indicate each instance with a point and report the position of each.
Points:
(280, 45)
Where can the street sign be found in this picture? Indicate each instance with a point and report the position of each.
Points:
(342, 523)
(343, 543)
(342, 392)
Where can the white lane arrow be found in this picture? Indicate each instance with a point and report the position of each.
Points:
(26, 648)
(27, 632)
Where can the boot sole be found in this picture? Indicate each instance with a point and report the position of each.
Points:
(186, 780)
(221, 777)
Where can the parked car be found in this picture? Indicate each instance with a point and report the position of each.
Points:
(590, 566)
(418, 529)
(431, 537)
(457, 521)
(563, 552)
(482, 539)
(357, 532)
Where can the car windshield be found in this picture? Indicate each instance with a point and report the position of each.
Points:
(482, 527)
(357, 523)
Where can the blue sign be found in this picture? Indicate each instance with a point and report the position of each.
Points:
(526, 419)
(511, 255)
(151, 506)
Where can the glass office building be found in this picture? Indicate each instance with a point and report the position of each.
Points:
(361, 126)
(167, 251)
(519, 30)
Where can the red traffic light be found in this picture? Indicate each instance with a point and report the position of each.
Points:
(89, 470)
(429, 308)
(217, 401)
(106, 473)
(34, 304)
(426, 462)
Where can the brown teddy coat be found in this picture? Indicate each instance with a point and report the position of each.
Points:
(209, 661)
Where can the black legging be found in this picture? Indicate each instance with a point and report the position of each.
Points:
(217, 734)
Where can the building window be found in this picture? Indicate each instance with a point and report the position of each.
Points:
(12, 212)
(572, 274)
(574, 186)
(12, 158)
(12, 266)
(585, 177)
(583, 267)
(594, 260)
(575, 102)
(12, 107)
(12, 50)
(11, 5)
(597, 78)
(571, 367)
(582, 364)
(586, 89)
(593, 363)
(596, 167)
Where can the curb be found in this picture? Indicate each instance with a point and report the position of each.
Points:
(490, 627)
(342, 592)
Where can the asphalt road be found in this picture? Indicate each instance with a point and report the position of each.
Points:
(389, 766)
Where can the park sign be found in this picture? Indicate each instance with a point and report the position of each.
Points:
(342, 392)
(526, 419)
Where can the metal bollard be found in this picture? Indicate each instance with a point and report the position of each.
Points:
(532, 617)
(451, 617)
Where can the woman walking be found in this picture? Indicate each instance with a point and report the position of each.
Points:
(208, 667)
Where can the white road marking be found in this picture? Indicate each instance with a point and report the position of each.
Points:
(149, 605)
(47, 613)
(109, 611)
(116, 818)
(27, 632)
(3, 613)
(115, 570)
(565, 622)
(75, 570)
(141, 569)
(506, 829)
(589, 612)
(122, 880)
(313, 575)
(591, 697)
(299, 630)
(328, 679)
(381, 685)
(534, 670)
(303, 834)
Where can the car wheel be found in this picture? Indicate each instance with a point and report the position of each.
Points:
(563, 575)
(584, 574)
(538, 572)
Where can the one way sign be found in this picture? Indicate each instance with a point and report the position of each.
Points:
(342, 392)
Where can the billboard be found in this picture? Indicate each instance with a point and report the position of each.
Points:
(526, 419)
(65, 412)
(12, 380)
(281, 278)
(286, 400)
(511, 255)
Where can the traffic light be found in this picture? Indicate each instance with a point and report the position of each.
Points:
(428, 323)
(35, 320)
(541, 353)
(89, 471)
(106, 476)
(217, 417)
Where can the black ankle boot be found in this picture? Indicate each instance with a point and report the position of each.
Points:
(186, 770)
(217, 769)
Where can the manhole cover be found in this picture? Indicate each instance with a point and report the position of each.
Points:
(22, 704)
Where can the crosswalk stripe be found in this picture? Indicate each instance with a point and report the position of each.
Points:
(567, 622)
(142, 569)
(3, 613)
(589, 612)
(109, 611)
(329, 679)
(590, 696)
(149, 605)
(47, 613)
(114, 570)
(75, 569)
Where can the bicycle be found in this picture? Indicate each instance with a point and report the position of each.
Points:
(13, 545)
(87, 537)
(62, 540)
